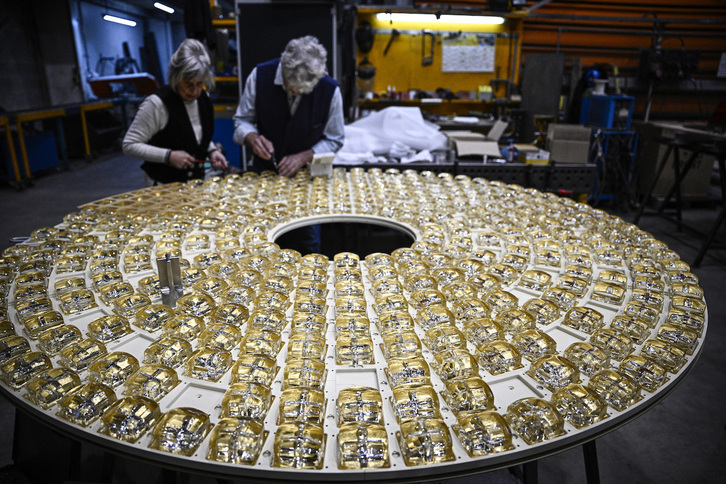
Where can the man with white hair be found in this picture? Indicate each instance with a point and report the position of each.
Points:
(290, 109)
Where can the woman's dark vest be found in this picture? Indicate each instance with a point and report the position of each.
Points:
(178, 134)
(299, 132)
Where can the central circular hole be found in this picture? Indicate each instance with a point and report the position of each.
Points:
(330, 238)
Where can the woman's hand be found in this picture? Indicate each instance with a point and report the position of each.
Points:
(219, 162)
(181, 160)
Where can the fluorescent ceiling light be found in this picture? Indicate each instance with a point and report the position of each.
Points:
(429, 17)
(163, 7)
(119, 20)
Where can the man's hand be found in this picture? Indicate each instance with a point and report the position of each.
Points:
(260, 145)
(181, 159)
(290, 164)
(219, 162)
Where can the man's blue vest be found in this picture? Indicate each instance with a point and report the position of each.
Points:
(291, 134)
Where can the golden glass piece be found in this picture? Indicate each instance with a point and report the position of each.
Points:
(579, 405)
(152, 381)
(113, 369)
(215, 286)
(454, 363)
(679, 335)
(354, 350)
(608, 293)
(425, 441)
(533, 344)
(443, 337)
(582, 260)
(535, 280)
(306, 345)
(386, 286)
(310, 273)
(302, 405)
(63, 286)
(618, 389)
(613, 277)
(534, 419)
(28, 309)
(153, 317)
(310, 304)
(554, 371)
(254, 369)
(190, 275)
(127, 306)
(319, 289)
(267, 319)
(168, 351)
(548, 257)
(197, 242)
(473, 308)
(52, 341)
(236, 441)
(514, 321)
(668, 355)
(97, 267)
(482, 331)
(308, 323)
(208, 364)
(688, 304)
(401, 344)
(584, 319)
(103, 278)
(35, 325)
(262, 343)
(49, 386)
(434, 316)
(415, 402)
(248, 277)
(233, 314)
(180, 431)
(361, 405)
(109, 328)
(85, 405)
(78, 355)
(646, 372)
(395, 321)
(682, 277)
(484, 432)
(362, 446)
(468, 395)
(573, 285)
(184, 326)
(409, 372)
(616, 345)
(542, 310)
(355, 324)
(246, 400)
(137, 263)
(272, 300)
(241, 295)
(640, 310)
(113, 290)
(29, 292)
(128, 419)
(150, 286)
(498, 357)
(299, 446)
(220, 336)
(195, 304)
(505, 273)
(304, 373)
(580, 272)
(651, 299)
(563, 298)
(224, 269)
(500, 301)
(18, 370)
(206, 260)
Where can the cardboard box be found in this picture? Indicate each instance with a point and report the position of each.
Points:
(469, 143)
(568, 143)
(531, 154)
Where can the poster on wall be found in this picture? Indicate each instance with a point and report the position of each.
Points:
(468, 53)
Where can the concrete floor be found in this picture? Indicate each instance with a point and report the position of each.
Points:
(680, 440)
